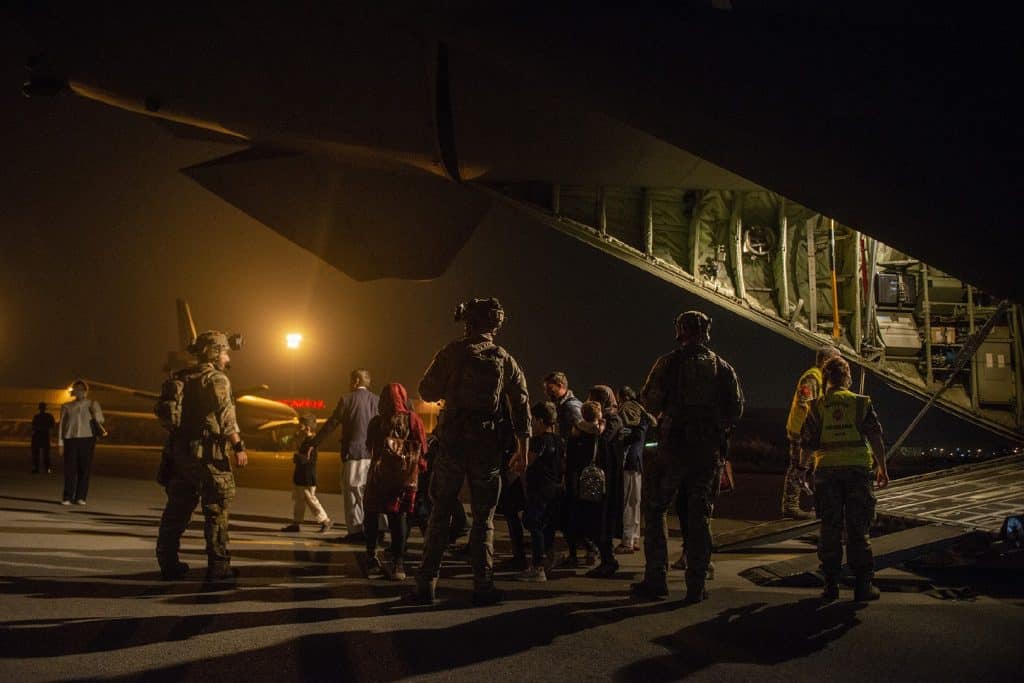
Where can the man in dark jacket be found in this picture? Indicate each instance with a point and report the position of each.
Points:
(353, 413)
(43, 425)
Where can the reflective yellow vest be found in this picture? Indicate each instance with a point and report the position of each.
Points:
(797, 412)
(840, 414)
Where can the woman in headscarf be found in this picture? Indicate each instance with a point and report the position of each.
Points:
(605, 518)
(397, 441)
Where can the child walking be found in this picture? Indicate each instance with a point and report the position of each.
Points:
(304, 478)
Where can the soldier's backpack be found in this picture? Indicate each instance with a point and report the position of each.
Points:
(168, 405)
(479, 379)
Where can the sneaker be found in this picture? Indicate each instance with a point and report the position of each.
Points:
(374, 567)
(326, 526)
(622, 549)
(80, 501)
(290, 529)
(397, 572)
(645, 590)
(65, 502)
(605, 570)
(532, 575)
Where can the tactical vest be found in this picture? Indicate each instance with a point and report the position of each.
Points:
(693, 394)
(840, 414)
(797, 415)
(198, 404)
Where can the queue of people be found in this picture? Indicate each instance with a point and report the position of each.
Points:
(560, 465)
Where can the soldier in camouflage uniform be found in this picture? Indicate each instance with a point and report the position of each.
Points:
(844, 436)
(697, 399)
(486, 405)
(808, 388)
(196, 467)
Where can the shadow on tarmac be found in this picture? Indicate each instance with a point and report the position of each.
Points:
(380, 655)
(747, 635)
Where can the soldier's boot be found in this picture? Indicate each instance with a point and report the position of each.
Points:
(863, 591)
(173, 571)
(797, 513)
(425, 593)
(648, 590)
(831, 591)
(695, 592)
(221, 571)
(485, 594)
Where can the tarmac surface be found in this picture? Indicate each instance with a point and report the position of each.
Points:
(81, 599)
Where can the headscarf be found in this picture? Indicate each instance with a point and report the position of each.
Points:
(603, 394)
(395, 401)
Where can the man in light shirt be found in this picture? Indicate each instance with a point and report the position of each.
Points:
(76, 442)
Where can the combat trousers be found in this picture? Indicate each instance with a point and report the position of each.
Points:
(846, 498)
(477, 457)
(790, 487)
(666, 478)
(209, 483)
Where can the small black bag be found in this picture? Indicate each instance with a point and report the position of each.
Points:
(592, 480)
(98, 430)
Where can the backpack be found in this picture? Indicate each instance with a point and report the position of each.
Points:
(592, 480)
(479, 380)
(168, 405)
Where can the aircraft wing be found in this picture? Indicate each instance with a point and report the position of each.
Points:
(141, 393)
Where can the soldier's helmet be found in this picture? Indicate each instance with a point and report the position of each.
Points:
(208, 345)
(481, 314)
(694, 324)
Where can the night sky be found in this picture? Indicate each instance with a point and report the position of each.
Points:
(101, 234)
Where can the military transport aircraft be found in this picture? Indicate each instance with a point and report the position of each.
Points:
(833, 171)
(260, 419)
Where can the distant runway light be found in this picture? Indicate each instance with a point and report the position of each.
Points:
(294, 339)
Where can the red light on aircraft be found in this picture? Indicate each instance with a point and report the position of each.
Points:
(303, 403)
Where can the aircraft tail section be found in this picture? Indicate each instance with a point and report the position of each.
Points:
(186, 326)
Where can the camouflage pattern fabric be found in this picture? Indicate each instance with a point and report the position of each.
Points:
(845, 498)
(790, 486)
(199, 470)
(475, 454)
(193, 482)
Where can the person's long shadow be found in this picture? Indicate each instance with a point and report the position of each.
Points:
(388, 655)
(755, 634)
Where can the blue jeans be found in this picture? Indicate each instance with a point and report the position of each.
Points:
(542, 532)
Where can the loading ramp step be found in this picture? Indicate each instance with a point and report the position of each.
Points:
(889, 550)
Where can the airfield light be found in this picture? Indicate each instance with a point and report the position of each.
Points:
(293, 339)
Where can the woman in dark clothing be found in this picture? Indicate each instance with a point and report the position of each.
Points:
(604, 519)
(397, 442)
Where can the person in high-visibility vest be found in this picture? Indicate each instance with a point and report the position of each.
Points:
(808, 388)
(844, 437)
